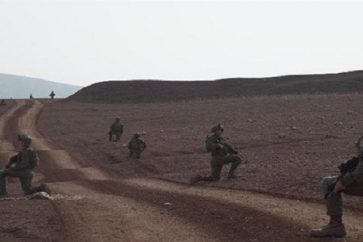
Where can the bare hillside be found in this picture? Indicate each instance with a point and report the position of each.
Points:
(158, 91)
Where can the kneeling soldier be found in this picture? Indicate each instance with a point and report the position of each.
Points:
(222, 154)
(136, 146)
(350, 181)
(22, 165)
(116, 130)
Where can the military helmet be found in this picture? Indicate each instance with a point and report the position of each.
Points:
(137, 135)
(217, 127)
(25, 139)
(117, 118)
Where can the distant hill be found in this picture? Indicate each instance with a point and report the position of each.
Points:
(158, 91)
(12, 86)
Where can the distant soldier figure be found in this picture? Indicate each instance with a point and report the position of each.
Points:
(350, 181)
(31, 96)
(52, 94)
(2, 103)
(22, 165)
(222, 154)
(116, 130)
(136, 146)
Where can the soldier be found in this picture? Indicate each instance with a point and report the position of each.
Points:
(350, 181)
(2, 103)
(222, 154)
(136, 146)
(52, 94)
(22, 165)
(31, 96)
(116, 130)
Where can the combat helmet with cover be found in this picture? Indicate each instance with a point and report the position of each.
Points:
(25, 139)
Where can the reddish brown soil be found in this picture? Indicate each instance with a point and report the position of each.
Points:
(4, 108)
(23, 219)
(160, 211)
(132, 206)
(291, 141)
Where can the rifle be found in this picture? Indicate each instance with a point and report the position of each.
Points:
(347, 166)
(229, 148)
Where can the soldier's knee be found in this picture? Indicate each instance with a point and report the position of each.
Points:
(327, 185)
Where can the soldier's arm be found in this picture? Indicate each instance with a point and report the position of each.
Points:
(230, 148)
(355, 176)
(213, 143)
(12, 160)
(34, 158)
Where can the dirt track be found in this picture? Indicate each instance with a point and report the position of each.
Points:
(93, 206)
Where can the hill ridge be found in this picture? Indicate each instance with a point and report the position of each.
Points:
(134, 91)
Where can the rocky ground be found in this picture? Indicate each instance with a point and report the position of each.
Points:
(100, 195)
(291, 142)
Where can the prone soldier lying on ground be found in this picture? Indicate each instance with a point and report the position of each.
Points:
(350, 181)
(222, 154)
(21, 165)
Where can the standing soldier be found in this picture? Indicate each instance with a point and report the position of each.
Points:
(116, 130)
(136, 146)
(31, 96)
(22, 165)
(350, 181)
(222, 154)
(52, 94)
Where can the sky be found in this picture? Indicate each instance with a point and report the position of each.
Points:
(83, 42)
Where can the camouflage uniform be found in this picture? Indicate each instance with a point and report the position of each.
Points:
(21, 166)
(116, 131)
(353, 183)
(136, 146)
(222, 154)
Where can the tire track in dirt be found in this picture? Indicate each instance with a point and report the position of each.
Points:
(155, 210)
(96, 216)
(309, 214)
(22, 219)
(7, 146)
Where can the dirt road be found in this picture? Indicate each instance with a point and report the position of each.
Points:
(95, 206)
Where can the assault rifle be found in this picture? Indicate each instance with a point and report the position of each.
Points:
(347, 166)
(228, 148)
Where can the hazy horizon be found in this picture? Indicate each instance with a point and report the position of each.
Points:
(82, 42)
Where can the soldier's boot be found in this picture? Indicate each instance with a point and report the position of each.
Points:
(44, 188)
(233, 168)
(195, 179)
(335, 228)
